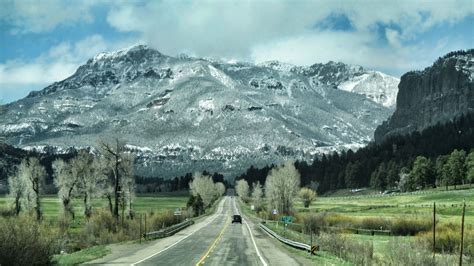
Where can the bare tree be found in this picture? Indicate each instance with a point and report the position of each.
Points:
(307, 196)
(282, 186)
(17, 186)
(128, 182)
(220, 189)
(66, 182)
(203, 186)
(242, 189)
(88, 171)
(33, 174)
(113, 153)
(257, 194)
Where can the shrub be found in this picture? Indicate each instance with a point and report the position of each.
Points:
(410, 253)
(357, 252)
(409, 226)
(375, 223)
(313, 222)
(161, 220)
(448, 239)
(23, 241)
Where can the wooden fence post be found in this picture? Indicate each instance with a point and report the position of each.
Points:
(145, 226)
(462, 231)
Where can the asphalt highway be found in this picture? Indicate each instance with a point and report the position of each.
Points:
(214, 240)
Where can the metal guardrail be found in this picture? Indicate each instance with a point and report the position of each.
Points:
(285, 240)
(168, 231)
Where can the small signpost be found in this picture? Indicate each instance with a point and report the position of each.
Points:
(252, 207)
(177, 212)
(275, 211)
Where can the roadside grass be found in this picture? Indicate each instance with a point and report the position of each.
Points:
(322, 257)
(404, 205)
(99, 251)
(82, 256)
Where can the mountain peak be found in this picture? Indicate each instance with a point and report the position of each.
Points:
(134, 51)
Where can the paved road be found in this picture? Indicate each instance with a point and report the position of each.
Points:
(211, 241)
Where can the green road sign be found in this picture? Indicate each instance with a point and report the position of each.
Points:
(287, 219)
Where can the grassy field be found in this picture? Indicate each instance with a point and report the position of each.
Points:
(448, 205)
(157, 203)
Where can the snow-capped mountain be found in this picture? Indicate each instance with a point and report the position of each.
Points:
(182, 114)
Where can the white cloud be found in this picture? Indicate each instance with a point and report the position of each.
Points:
(45, 15)
(284, 30)
(393, 37)
(58, 63)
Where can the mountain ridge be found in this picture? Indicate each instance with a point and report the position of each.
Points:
(181, 114)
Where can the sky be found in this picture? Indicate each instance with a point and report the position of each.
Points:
(45, 41)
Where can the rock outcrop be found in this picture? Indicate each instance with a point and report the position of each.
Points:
(435, 95)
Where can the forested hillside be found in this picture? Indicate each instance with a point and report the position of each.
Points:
(382, 165)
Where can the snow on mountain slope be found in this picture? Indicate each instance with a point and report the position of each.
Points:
(375, 85)
(182, 114)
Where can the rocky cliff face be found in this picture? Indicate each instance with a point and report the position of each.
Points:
(182, 114)
(439, 93)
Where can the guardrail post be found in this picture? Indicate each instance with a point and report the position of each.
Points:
(145, 226)
(140, 228)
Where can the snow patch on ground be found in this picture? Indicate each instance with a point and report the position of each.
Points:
(221, 77)
(207, 105)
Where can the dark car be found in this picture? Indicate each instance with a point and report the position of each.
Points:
(236, 219)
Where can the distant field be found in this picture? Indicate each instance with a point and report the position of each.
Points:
(448, 205)
(159, 202)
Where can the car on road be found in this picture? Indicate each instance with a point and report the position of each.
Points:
(237, 219)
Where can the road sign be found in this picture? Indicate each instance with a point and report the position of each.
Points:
(252, 207)
(314, 249)
(287, 219)
(177, 212)
(275, 211)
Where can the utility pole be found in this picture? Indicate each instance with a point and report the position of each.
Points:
(434, 231)
(462, 231)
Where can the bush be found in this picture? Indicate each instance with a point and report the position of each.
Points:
(448, 239)
(375, 223)
(102, 228)
(410, 226)
(23, 241)
(313, 222)
(346, 248)
(401, 226)
(159, 221)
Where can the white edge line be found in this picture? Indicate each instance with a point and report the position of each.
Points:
(251, 236)
(174, 244)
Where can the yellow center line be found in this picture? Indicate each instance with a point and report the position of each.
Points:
(201, 261)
